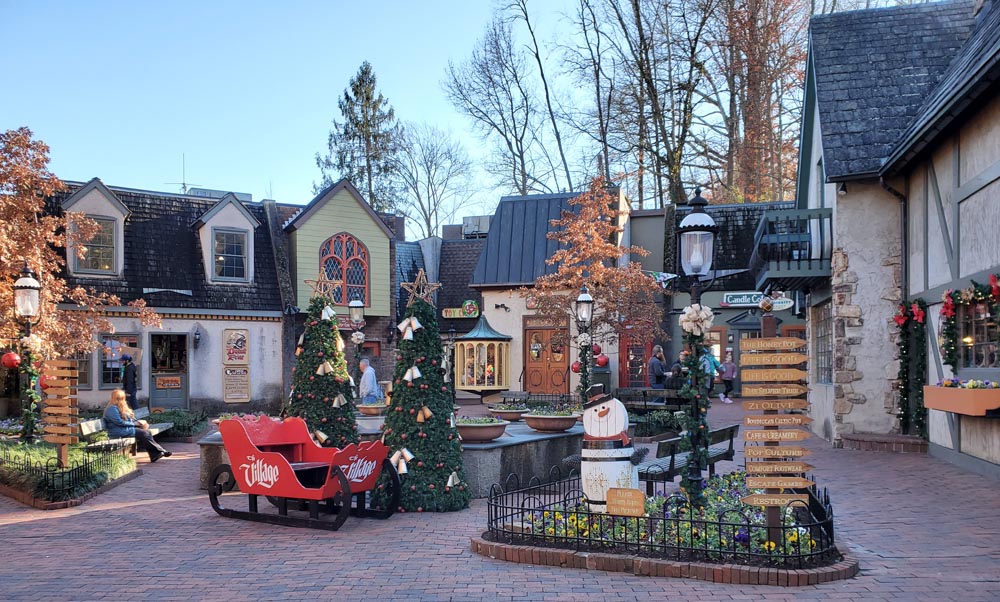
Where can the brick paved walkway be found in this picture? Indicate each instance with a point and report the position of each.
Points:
(923, 530)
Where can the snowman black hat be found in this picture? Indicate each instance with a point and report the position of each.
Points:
(596, 396)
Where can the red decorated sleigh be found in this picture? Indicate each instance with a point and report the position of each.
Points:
(281, 461)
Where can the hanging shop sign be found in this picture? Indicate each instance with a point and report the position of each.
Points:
(741, 299)
(236, 347)
(782, 303)
(469, 309)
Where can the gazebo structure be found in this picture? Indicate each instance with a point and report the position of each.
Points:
(482, 360)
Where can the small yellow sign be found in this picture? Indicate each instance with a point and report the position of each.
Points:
(168, 382)
(626, 502)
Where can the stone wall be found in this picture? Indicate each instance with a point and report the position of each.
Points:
(865, 282)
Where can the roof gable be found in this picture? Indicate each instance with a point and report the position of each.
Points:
(92, 185)
(321, 199)
(873, 70)
(228, 199)
(521, 223)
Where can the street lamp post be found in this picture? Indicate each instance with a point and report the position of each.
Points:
(584, 307)
(356, 309)
(696, 235)
(26, 305)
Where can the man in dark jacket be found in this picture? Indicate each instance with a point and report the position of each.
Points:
(129, 380)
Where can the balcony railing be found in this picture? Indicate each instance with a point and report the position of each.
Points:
(792, 249)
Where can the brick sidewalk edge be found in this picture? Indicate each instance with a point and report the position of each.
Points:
(29, 500)
(653, 567)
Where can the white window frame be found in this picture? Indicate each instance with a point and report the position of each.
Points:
(246, 255)
(77, 269)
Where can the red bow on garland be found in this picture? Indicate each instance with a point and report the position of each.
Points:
(948, 310)
(994, 287)
(918, 314)
(900, 318)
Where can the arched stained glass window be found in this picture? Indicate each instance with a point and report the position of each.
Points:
(345, 258)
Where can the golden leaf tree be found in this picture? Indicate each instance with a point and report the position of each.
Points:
(30, 235)
(589, 254)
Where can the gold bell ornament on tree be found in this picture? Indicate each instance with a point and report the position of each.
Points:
(424, 414)
(324, 368)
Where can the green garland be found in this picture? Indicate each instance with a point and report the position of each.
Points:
(29, 397)
(696, 426)
(912, 344)
(977, 293)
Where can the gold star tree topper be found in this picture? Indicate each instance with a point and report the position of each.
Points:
(420, 288)
(322, 286)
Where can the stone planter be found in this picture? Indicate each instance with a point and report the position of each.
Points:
(551, 424)
(481, 433)
(371, 410)
(509, 415)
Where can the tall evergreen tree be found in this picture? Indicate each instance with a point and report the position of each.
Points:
(419, 418)
(363, 147)
(321, 392)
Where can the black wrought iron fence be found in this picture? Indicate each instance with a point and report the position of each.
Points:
(54, 483)
(555, 514)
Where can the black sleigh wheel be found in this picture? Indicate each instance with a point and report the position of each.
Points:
(220, 481)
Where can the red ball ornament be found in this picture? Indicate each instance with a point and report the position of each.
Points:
(313, 323)
(434, 362)
(413, 487)
(402, 436)
(299, 396)
(323, 420)
(444, 388)
(399, 358)
(43, 382)
(602, 360)
(319, 354)
(312, 378)
(412, 412)
(409, 384)
(596, 349)
(419, 509)
(420, 464)
(575, 367)
(11, 360)
(431, 486)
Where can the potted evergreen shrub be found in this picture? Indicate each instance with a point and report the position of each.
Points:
(480, 429)
(551, 419)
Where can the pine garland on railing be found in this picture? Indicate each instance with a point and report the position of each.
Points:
(911, 319)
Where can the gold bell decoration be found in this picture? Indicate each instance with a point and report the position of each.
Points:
(340, 401)
(424, 414)
(325, 368)
(328, 313)
(407, 327)
(399, 460)
(453, 480)
(320, 436)
(412, 374)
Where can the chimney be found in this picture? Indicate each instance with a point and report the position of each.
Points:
(400, 228)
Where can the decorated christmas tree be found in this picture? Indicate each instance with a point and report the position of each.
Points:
(418, 426)
(321, 391)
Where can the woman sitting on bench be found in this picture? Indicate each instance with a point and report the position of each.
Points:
(121, 422)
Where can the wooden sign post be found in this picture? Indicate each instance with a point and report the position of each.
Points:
(60, 413)
(775, 375)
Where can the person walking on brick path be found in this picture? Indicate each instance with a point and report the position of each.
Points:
(657, 369)
(129, 384)
(709, 366)
(121, 422)
(728, 376)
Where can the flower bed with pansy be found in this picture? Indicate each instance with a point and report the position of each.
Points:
(725, 530)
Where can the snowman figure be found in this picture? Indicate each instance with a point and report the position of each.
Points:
(605, 418)
(607, 458)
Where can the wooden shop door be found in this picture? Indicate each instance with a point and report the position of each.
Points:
(546, 361)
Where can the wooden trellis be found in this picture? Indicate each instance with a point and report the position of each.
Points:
(60, 414)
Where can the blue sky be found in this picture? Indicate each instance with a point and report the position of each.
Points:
(245, 90)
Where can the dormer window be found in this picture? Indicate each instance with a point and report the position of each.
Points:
(99, 257)
(230, 254)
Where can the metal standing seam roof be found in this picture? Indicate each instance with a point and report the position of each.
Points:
(517, 246)
(873, 70)
(484, 332)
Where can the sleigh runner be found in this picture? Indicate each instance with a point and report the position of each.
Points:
(280, 461)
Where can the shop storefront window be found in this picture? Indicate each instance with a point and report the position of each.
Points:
(979, 337)
(113, 347)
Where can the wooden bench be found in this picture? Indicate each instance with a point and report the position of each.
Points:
(645, 400)
(90, 427)
(670, 462)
